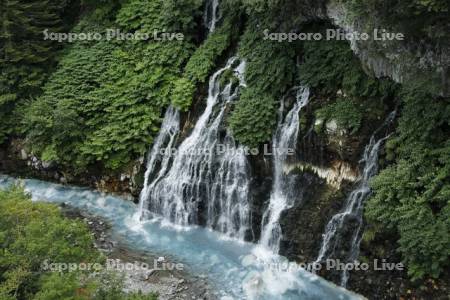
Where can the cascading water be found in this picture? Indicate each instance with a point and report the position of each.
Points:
(349, 222)
(228, 207)
(211, 14)
(282, 195)
(204, 171)
(159, 156)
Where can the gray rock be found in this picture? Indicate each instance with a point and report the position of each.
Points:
(47, 164)
(23, 154)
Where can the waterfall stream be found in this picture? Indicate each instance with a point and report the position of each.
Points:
(211, 14)
(204, 171)
(346, 226)
(281, 197)
(159, 156)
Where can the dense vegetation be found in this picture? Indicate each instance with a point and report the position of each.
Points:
(332, 69)
(269, 74)
(25, 66)
(412, 196)
(33, 235)
(104, 102)
(99, 103)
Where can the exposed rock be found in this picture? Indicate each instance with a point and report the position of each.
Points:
(332, 127)
(47, 164)
(23, 154)
(304, 224)
(339, 172)
(398, 60)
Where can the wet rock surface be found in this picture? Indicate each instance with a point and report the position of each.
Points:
(304, 224)
(16, 160)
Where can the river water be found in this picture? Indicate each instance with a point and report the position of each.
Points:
(237, 270)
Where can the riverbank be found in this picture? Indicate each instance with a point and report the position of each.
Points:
(168, 284)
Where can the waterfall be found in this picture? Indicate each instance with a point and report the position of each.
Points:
(159, 156)
(228, 207)
(282, 195)
(350, 220)
(211, 14)
(207, 173)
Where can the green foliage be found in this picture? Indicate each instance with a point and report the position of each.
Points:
(253, 119)
(7, 104)
(104, 102)
(260, 5)
(167, 15)
(270, 71)
(331, 65)
(205, 57)
(33, 235)
(332, 69)
(411, 197)
(182, 94)
(280, 15)
(180, 15)
(346, 112)
(76, 286)
(30, 234)
(24, 65)
(270, 64)
(55, 286)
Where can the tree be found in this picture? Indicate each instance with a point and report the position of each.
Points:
(25, 55)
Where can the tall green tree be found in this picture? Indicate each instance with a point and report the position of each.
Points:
(25, 54)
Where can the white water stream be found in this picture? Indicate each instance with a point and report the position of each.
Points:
(282, 196)
(204, 171)
(350, 219)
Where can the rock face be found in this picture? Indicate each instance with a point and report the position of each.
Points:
(304, 224)
(399, 60)
(326, 166)
(16, 160)
(260, 188)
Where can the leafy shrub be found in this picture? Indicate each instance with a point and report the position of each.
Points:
(104, 102)
(204, 58)
(411, 196)
(270, 72)
(253, 118)
(346, 112)
(270, 65)
(182, 94)
(32, 233)
(331, 65)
